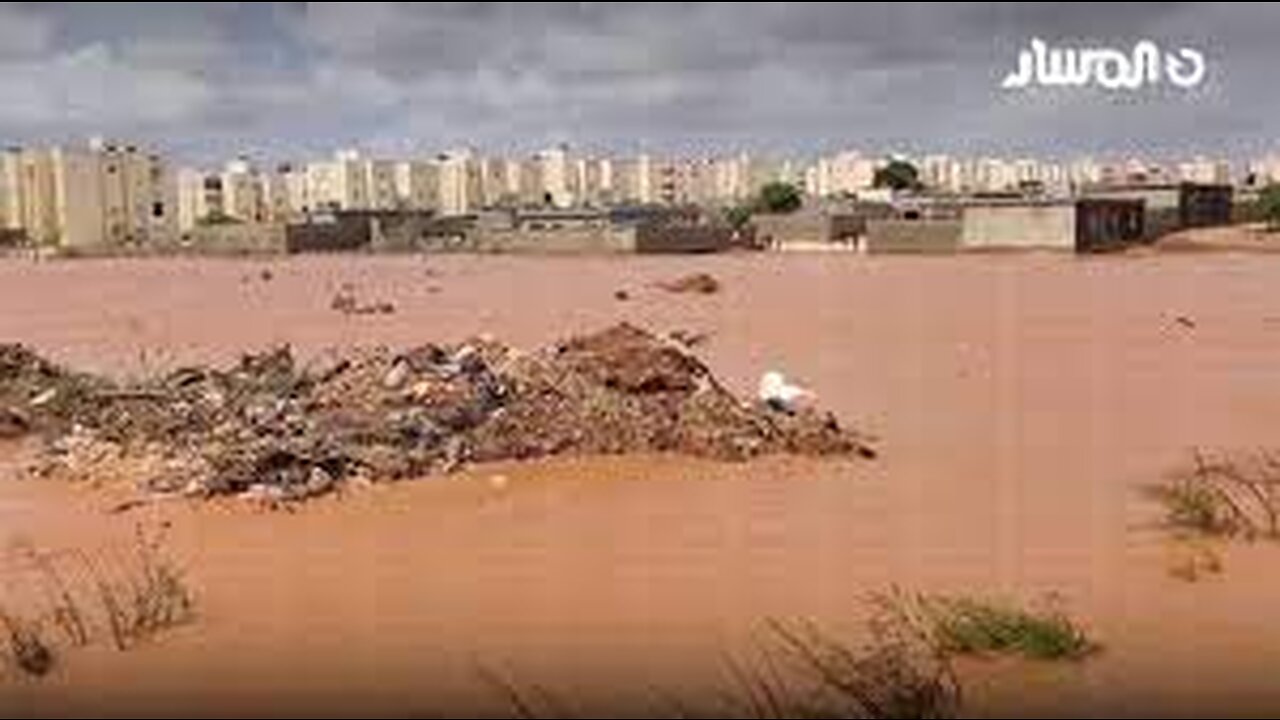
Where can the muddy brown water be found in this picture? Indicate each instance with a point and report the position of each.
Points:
(1019, 400)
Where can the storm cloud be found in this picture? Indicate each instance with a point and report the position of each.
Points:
(210, 79)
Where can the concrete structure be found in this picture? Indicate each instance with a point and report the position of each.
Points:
(846, 173)
(11, 190)
(199, 198)
(78, 198)
(1076, 226)
(417, 185)
(461, 189)
(284, 194)
(534, 231)
(242, 192)
(1172, 207)
(500, 183)
(817, 227)
(338, 184)
(923, 236)
(556, 177)
(1205, 171)
(235, 239)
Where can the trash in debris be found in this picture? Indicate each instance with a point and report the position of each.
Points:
(621, 295)
(346, 302)
(13, 424)
(698, 283)
(271, 428)
(1185, 322)
(776, 392)
(266, 275)
(689, 338)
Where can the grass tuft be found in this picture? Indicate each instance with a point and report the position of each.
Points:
(27, 649)
(1224, 497)
(969, 626)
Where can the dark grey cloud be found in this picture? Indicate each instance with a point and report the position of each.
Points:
(209, 79)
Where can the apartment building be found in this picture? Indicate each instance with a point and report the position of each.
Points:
(284, 193)
(417, 185)
(100, 196)
(1204, 171)
(199, 198)
(242, 192)
(341, 183)
(557, 177)
(845, 173)
(461, 189)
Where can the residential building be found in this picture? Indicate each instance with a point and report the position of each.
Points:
(556, 177)
(199, 198)
(284, 194)
(460, 190)
(846, 173)
(417, 185)
(1205, 171)
(103, 195)
(341, 183)
(242, 192)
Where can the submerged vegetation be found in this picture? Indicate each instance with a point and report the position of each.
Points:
(120, 596)
(1230, 496)
(902, 667)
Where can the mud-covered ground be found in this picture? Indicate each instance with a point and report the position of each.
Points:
(1017, 403)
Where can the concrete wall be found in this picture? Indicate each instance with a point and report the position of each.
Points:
(993, 227)
(1106, 225)
(333, 234)
(237, 239)
(809, 227)
(678, 238)
(798, 227)
(912, 236)
(566, 241)
(1156, 198)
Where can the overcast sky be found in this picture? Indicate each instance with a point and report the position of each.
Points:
(208, 80)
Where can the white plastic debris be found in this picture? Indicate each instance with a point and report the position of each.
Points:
(777, 392)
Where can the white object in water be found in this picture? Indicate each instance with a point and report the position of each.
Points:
(776, 391)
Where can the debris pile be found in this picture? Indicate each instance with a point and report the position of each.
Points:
(346, 302)
(269, 427)
(697, 283)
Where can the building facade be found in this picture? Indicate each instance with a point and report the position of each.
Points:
(96, 197)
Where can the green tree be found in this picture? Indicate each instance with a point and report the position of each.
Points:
(738, 216)
(898, 175)
(779, 197)
(1269, 206)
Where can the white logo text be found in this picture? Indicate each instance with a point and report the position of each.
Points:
(1111, 69)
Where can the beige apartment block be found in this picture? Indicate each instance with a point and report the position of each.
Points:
(199, 198)
(242, 197)
(338, 184)
(460, 183)
(94, 197)
(557, 177)
(379, 179)
(417, 185)
(284, 194)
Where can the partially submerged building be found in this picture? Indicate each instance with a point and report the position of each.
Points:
(1085, 225)
(543, 230)
(1175, 206)
(1003, 223)
(818, 227)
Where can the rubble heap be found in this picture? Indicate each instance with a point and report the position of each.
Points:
(268, 425)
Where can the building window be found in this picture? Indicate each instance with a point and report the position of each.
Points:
(157, 210)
